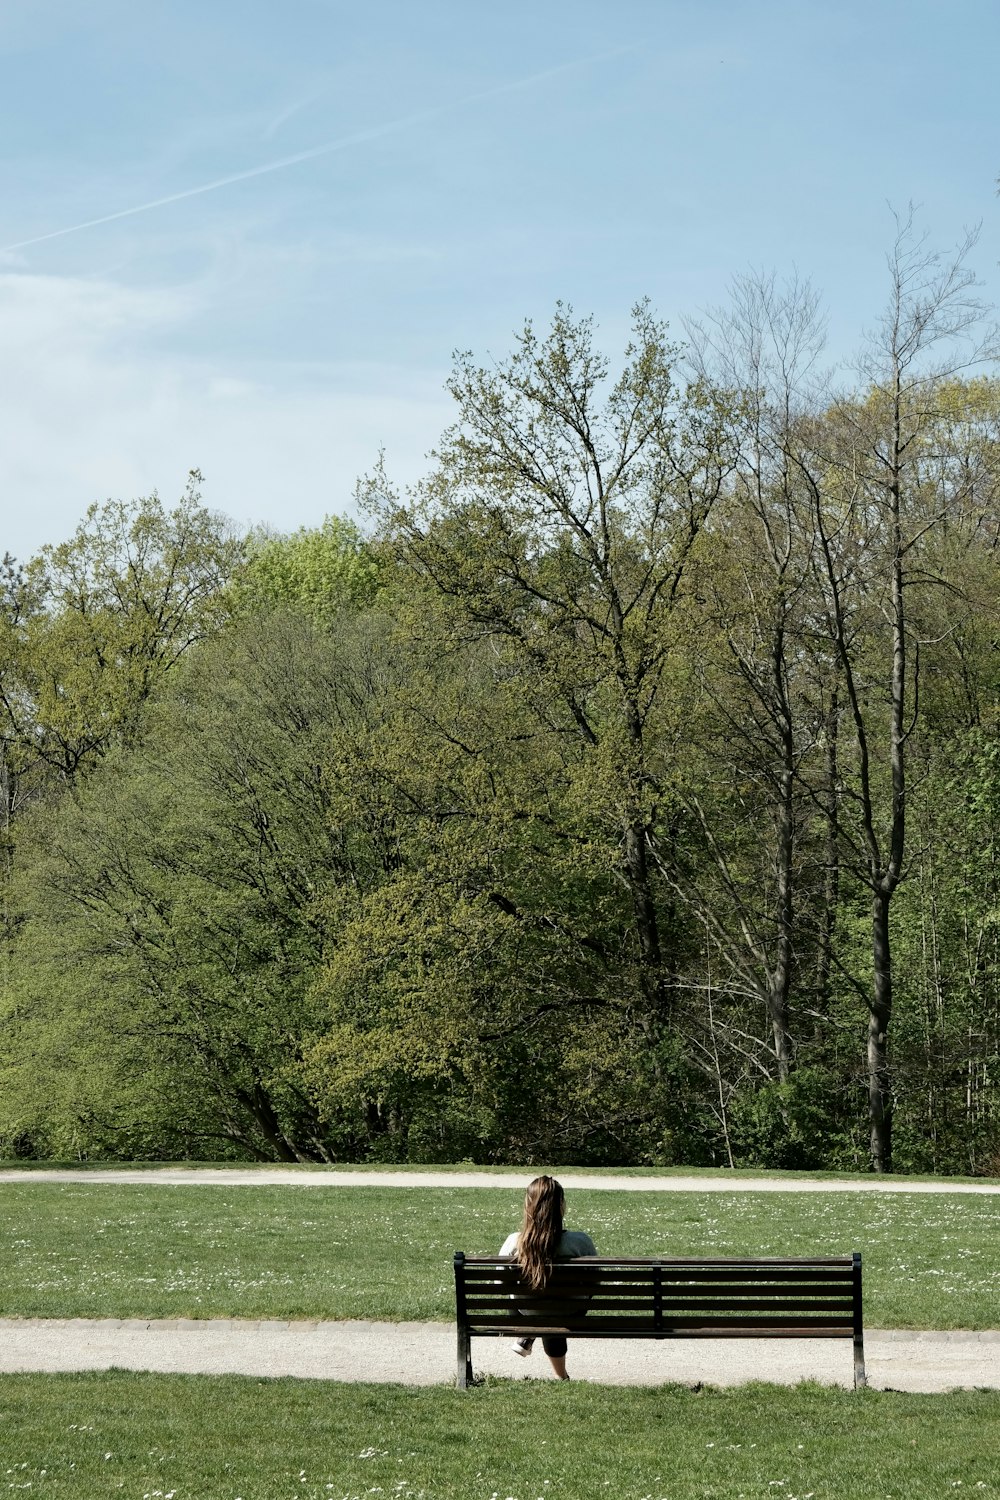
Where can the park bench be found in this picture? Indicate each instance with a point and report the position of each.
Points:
(620, 1297)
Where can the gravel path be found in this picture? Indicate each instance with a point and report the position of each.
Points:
(573, 1179)
(424, 1354)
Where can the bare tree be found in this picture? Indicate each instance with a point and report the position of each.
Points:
(765, 348)
(874, 512)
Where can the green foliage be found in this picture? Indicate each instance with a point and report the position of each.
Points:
(90, 627)
(542, 825)
(800, 1124)
(321, 571)
(160, 982)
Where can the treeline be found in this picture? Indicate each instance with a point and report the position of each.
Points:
(629, 792)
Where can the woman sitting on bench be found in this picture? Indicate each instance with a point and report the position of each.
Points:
(540, 1242)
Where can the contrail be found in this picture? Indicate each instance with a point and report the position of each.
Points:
(357, 138)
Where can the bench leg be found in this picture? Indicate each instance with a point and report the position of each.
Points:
(860, 1378)
(464, 1360)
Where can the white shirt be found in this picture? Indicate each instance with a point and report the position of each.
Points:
(573, 1243)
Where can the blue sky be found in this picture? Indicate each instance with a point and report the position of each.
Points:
(416, 176)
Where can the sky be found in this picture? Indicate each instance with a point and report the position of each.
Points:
(248, 238)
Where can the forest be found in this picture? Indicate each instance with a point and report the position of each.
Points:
(625, 792)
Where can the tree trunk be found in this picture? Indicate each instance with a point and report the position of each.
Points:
(256, 1102)
(886, 882)
(879, 1091)
(831, 871)
(781, 975)
(654, 1006)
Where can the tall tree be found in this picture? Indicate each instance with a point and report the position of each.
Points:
(757, 584)
(560, 523)
(876, 505)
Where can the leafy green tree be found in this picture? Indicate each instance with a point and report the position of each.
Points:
(559, 528)
(320, 571)
(90, 627)
(171, 922)
(478, 991)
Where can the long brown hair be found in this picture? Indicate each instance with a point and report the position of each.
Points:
(541, 1231)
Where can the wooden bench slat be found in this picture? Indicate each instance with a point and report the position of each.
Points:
(641, 1278)
(565, 1275)
(642, 1262)
(747, 1328)
(696, 1292)
(781, 1276)
(718, 1326)
(760, 1304)
(736, 1304)
(645, 1330)
(606, 1304)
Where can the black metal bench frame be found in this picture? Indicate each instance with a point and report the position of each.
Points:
(661, 1298)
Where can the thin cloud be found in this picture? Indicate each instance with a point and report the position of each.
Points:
(328, 148)
(290, 111)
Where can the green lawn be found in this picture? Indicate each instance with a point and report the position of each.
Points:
(93, 1250)
(202, 1438)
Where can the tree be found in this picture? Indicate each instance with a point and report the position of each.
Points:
(172, 920)
(757, 584)
(320, 571)
(878, 500)
(559, 526)
(89, 628)
(477, 992)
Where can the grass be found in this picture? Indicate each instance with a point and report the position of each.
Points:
(204, 1438)
(95, 1250)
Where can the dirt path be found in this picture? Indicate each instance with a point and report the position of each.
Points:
(424, 1354)
(573, 1179)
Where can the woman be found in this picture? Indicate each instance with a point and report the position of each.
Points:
(539, 1242)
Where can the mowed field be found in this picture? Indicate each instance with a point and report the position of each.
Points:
(89, 1249)
(93, 1250)
(224, 1438)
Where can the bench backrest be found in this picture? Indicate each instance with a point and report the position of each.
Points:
(686, 1297)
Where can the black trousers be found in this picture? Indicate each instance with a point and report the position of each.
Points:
(554, 1344)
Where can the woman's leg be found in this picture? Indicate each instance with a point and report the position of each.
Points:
(555, 1347)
